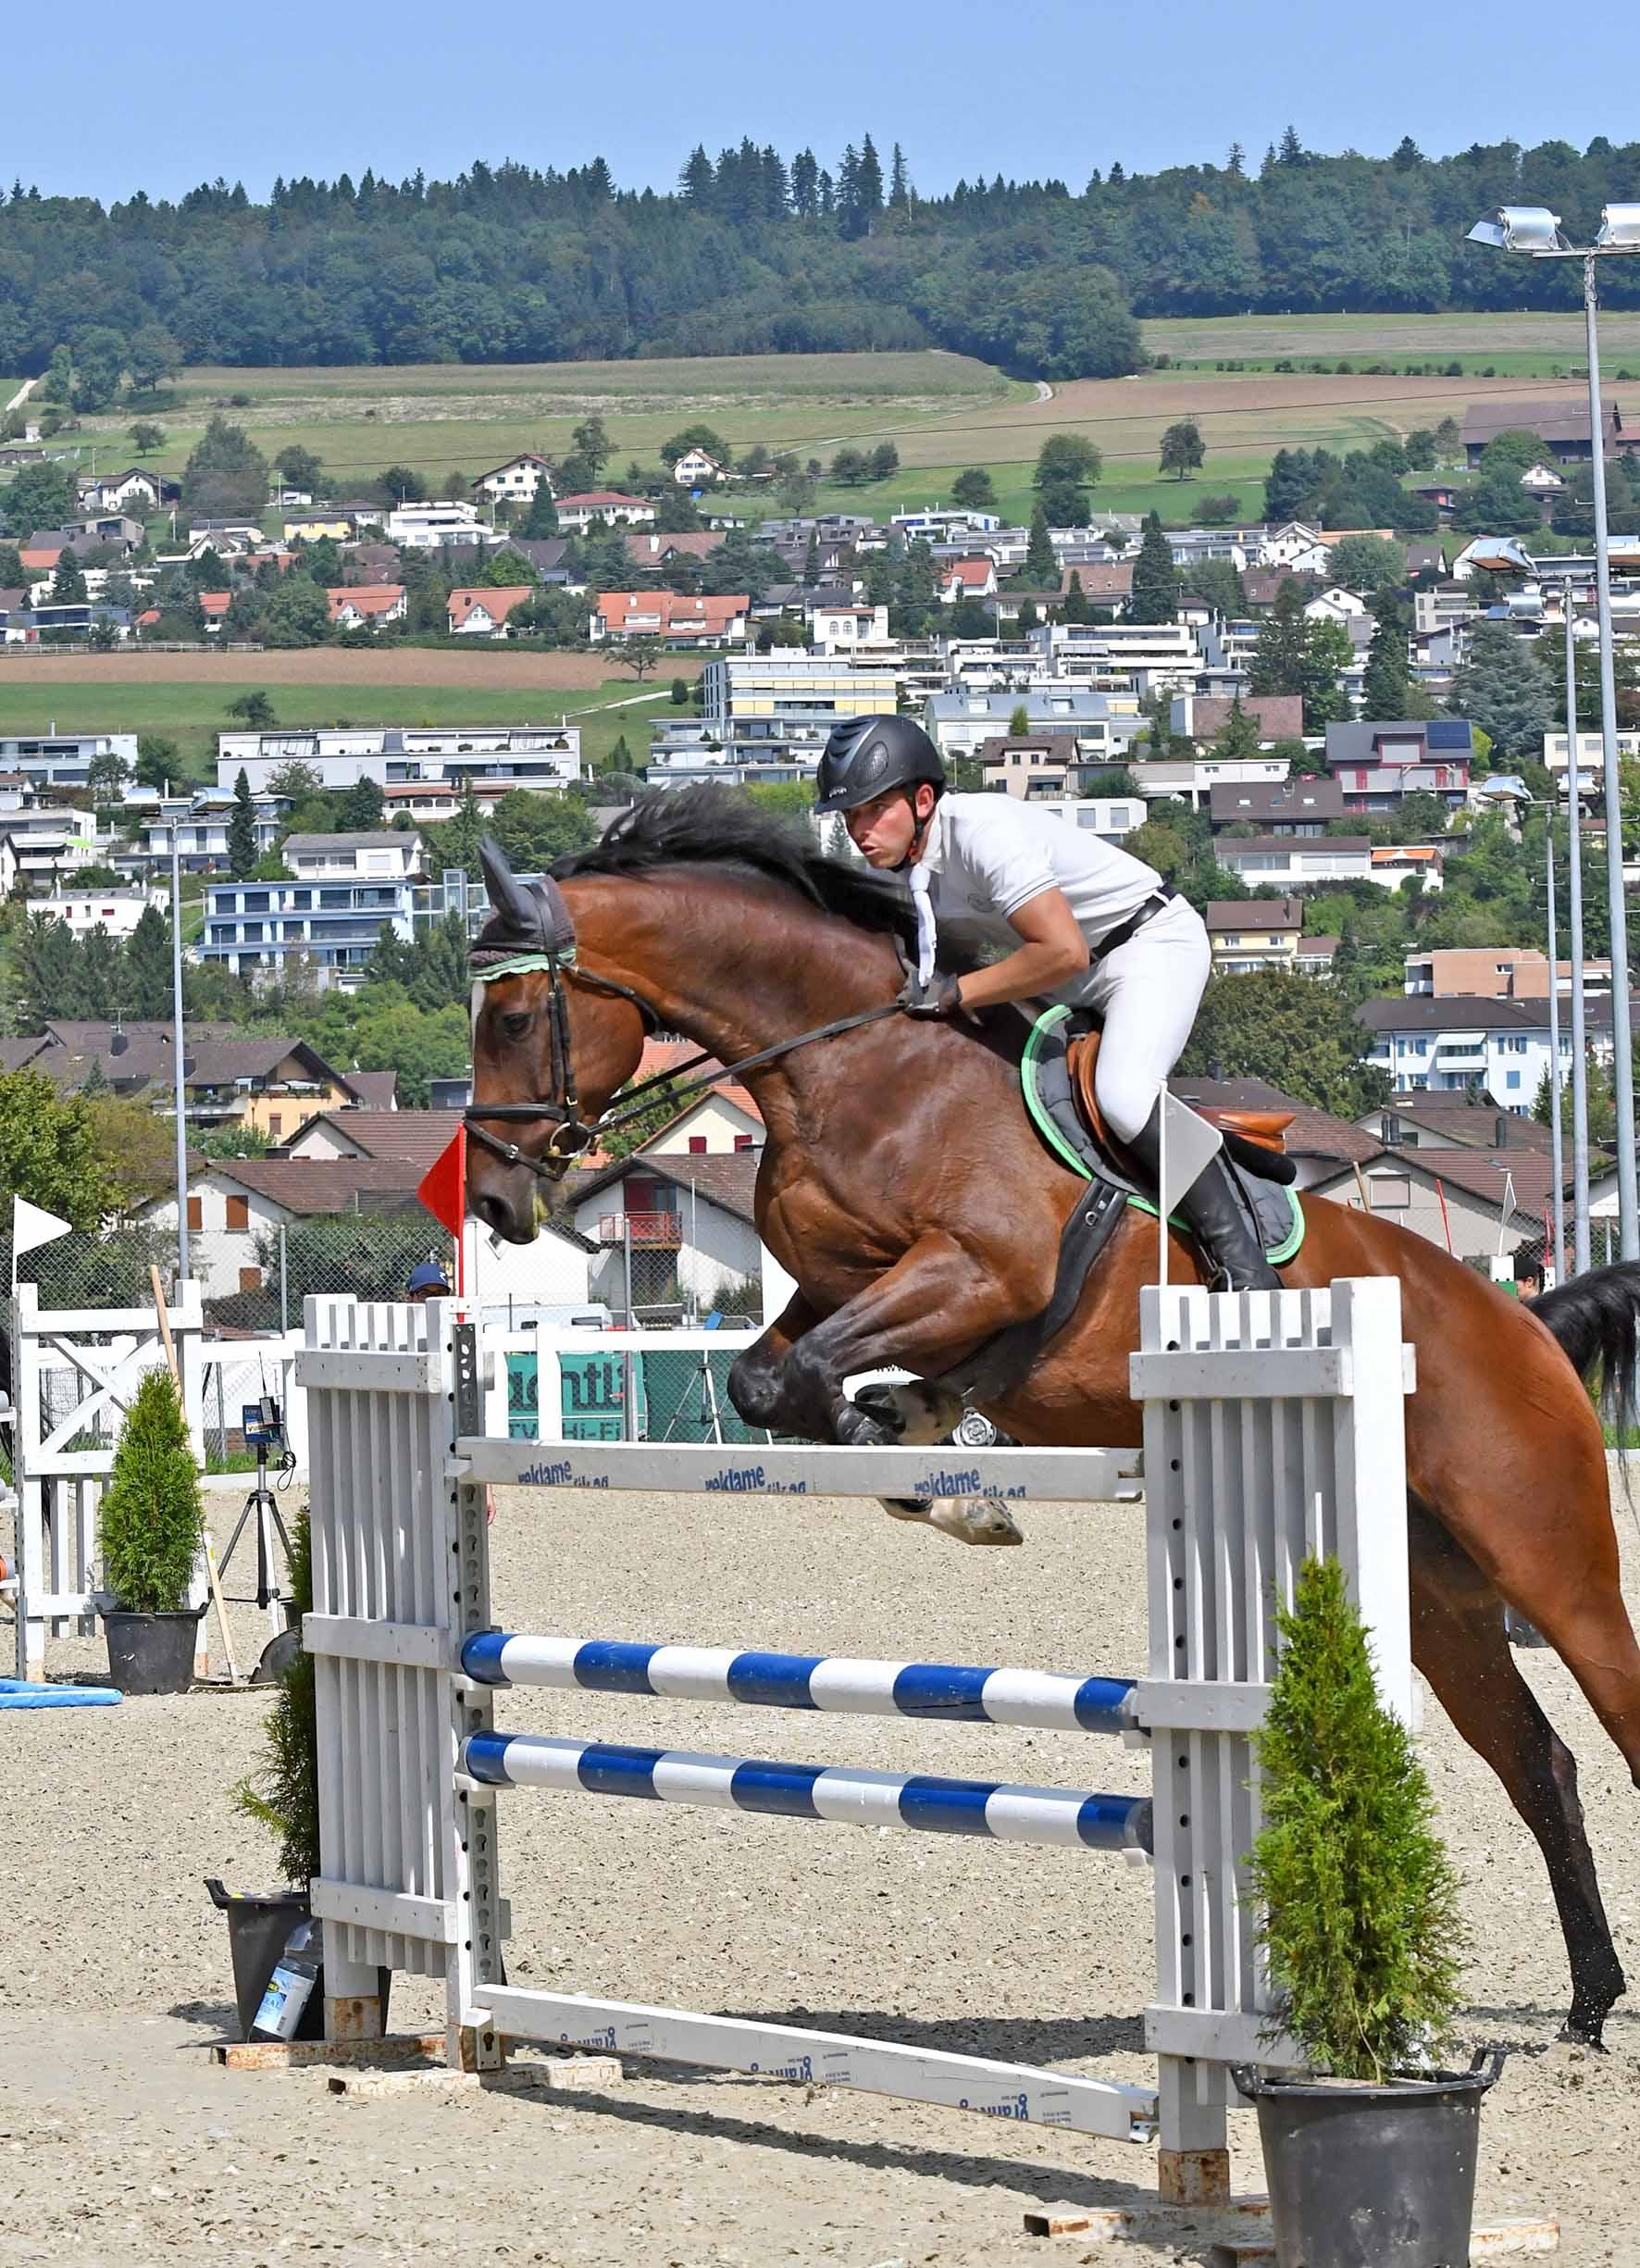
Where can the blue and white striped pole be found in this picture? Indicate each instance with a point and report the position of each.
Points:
(948, 1692)
(1068, 1818)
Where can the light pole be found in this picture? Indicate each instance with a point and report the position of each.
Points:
(1533, 229)
(1580, 1066)
(1557, 1078)
(181, 1088)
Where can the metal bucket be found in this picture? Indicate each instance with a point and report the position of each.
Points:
(1368, 2176)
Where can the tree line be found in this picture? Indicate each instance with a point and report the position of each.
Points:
(756, 252)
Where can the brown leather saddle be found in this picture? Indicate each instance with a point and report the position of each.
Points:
(1254, 1138)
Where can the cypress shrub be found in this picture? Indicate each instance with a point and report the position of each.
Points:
(1362, 1933)
(151, 1524)
(287, 1801)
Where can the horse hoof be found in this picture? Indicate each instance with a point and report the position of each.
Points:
(907, 1507)
(976, 1519)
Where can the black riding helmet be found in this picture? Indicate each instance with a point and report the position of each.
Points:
(868, 755)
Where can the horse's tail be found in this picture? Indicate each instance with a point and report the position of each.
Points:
(1596, 1319)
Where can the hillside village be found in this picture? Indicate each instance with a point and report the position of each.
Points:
(1339, 742)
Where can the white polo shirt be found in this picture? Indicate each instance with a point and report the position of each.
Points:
(986, 855)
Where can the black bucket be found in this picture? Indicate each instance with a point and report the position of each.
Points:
(258, 1923)
(151, 1653)
(1371, 2176)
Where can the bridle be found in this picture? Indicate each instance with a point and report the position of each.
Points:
(547, 947)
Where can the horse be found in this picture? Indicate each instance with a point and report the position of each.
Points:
(904, 1190)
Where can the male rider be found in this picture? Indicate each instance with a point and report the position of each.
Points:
(1077, 921)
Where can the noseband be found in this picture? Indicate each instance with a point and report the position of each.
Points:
(547, 947)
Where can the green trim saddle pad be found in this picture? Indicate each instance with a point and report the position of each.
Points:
(1045, 1082)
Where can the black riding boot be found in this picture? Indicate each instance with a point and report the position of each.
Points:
(1211, 1211)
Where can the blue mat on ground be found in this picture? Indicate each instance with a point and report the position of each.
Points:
(17, 1693)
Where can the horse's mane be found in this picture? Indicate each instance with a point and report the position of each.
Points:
(711, 826)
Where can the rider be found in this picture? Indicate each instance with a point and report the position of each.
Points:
(1079, 920)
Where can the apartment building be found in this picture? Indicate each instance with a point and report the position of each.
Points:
(346, 889)
(56, 759)
(540, 756)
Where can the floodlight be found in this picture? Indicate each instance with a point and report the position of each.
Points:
(1519, 228)
(1619, 228)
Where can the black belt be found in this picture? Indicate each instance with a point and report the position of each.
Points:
(1155, 903)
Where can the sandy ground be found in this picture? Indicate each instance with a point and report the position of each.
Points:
(494, 668)
(119, 2143)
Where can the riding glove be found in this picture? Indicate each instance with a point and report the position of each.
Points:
(941, 996)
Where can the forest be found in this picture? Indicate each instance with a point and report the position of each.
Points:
(754, 253)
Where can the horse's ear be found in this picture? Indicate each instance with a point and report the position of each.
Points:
(507, 895)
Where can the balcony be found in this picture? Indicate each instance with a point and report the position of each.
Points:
(654, 1231)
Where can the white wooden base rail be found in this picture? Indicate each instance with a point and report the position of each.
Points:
(1273, 1428)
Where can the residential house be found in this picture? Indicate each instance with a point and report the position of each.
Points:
(1039, 765)
(1543, 479)
(39, 845)
(483, 612)
(365, 606)
(1334, 605)
(120, 492)
(524, 755)
(1494, 972)
(1250, 934)
(266, 1085)
(546, 555)
(115, 911)
(653, 553)
(673, 1232)
(1474, 1203)
(1103, 724)
(1201, 717)
(517, 480)
(1396, 863)
(1378, 763)
(1193, 778)
(1498, 1048)
(1452, 1122)
(102, 531)
(346, 889)
(697, 467)
(213, 606)
(724, 1122)
(325, 526)
(1299, 805)
(432, 527)
(670, 614)
(1294, 862)
(1316, 956)
(782, 695)
(576, 514)
(1138, 657)
(415, 1138)
(1107, 817)
(839, 628)
(1107, 585)
(1560, 421)
(63, 759)
(218, 534)
(199, 821)
(967, 578)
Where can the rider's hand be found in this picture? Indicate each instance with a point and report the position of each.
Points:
(942, 997)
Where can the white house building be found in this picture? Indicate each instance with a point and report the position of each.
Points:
(64, 759)
(518, 481)
(538, 756)
(115, 911)
(346, 889)
(576, 514)
(1288, 862)
(696, 468)
(1449, 1045)
(429, 526)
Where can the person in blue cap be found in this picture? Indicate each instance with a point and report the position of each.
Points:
(427, 1281)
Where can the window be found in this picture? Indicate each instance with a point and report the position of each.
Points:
(197, 1213)
(1511, 1079)
(250, 1279)
(1389, 1192)
(275, 1125)
(238, 1212)
(696, 1144)
(744, 1141)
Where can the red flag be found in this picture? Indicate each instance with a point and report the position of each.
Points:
(443, 1190)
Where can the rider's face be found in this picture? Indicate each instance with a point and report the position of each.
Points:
(883, 830)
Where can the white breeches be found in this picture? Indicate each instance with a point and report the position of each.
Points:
(1148, 992)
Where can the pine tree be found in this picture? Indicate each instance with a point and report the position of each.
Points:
(151, 1522)
(871, 182)
(695, 182)
(540, 521)
(1278, 658)
(811, 560)
(1075, 606)
(1041, 568)
(148, 966)
(1155, 596)
(1384, 686)
(242, 830)
(899, 188)
(1238, 738)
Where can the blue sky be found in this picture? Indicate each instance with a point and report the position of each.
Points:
(108, 97)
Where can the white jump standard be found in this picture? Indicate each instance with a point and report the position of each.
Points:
(1273, 1428)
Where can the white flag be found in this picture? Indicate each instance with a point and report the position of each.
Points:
(32, 1224)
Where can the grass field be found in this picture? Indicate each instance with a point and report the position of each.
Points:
(1517, 345)
(113, 697)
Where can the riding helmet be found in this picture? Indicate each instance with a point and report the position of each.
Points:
(868, 755)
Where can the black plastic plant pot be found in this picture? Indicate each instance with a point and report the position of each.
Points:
(151, 1653)
(1364, 2176)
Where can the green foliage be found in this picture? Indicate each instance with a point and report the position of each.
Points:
(230, 1141)
(1362, 1932)
(1504, 688)
(974, 491)
(1155, 579)
(300, 469)
(372, 1253)
(241, 828)
(1387, 681)
(696, 436)
(284, 1795)
(48, 1149)
(1299, 1035)
(1183, 449)
(226, 477)
(1041, 568)
(255, 711)
(1068, 466)
(145, 437)
(150, 1521)
(1362, 562)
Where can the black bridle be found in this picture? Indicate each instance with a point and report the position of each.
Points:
(548, 946)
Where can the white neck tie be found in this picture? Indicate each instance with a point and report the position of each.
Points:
(920, 880)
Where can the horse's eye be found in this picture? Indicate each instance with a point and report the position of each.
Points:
(517, 1024)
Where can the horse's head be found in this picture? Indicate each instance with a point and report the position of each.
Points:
(552, 1044)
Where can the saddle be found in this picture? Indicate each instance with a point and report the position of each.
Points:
(1255, 1138)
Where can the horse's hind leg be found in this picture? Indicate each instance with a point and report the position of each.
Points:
(1459, 1643)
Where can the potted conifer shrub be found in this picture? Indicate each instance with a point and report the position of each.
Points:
(151, 1530)
(1370, 2155)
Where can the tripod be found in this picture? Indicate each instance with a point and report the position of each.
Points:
(263, 1506)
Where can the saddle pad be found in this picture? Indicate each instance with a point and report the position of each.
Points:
(1046, 1083)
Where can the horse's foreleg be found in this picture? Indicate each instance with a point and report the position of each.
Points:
(761, 1384)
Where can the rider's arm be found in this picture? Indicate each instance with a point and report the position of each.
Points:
(1052, 949)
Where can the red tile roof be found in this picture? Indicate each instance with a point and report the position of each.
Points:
(669, 612)
(498, 603)
(367, 598)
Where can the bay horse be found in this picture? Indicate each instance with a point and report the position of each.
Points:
(903, 1188)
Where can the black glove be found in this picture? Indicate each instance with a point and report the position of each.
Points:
(942, 997)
